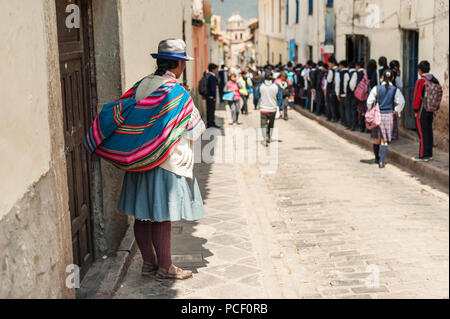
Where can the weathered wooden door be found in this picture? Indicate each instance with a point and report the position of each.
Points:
(410, 75)
(74, 54)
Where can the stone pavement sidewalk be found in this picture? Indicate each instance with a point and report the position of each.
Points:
(400, 152)
(219, 248)
(317, 228)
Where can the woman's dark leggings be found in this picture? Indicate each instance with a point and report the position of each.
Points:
(155, 242)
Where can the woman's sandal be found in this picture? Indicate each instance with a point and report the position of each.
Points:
(149, 270)
(174, 273)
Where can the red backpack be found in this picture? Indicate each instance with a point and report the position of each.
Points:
(362, 89)
(433, 95)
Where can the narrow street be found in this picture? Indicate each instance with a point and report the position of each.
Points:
(324, 226)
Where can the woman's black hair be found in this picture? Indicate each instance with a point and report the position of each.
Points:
(382, 61)
(165, 65)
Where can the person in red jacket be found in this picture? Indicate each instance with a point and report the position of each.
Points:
(424, 119)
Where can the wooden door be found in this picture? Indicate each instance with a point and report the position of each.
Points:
(410, 69)
(75, 83)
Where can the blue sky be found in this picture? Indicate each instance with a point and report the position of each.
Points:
(247, 8)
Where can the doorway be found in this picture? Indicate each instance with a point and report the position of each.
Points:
(75, 66)
(357, 48)
(410, 39)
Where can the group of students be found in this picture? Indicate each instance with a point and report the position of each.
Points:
(345, 91)
(237, 83)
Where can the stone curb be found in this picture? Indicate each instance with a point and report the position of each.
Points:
(118, 266)
(420, 169)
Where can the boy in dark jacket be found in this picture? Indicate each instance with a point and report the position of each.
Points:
(424, 119)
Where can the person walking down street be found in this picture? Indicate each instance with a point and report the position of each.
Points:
(223, 79)
(235, 105)
(287, 90)
(159, 186)
(211, 97)
(245, 83)
(268, 97)
(391, 103)
(427, 100)
(332, 102)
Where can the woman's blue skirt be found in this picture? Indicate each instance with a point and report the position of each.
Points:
(159, 195)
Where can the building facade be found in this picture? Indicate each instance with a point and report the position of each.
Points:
(408, 31)
(63, 60)
(272, 32)
(306, 30)
(237, 34)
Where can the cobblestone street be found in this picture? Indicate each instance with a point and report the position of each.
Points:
(324, 226)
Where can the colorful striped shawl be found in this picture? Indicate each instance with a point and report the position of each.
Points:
(139, 136)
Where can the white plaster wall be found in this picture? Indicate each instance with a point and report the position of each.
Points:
(142, 25)
(276, 38)
(24, 133)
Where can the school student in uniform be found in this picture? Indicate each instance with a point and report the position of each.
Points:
(305, 76)
(382, 63)
(391, 102)
(343, 70)
(349, 98)
(312, 78)
(332, 102)
(394, 65)
(424, 118)
(359, 107)
(318, 89)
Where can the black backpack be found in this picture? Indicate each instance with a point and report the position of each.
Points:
(203, 85)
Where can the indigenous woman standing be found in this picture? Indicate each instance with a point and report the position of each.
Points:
(235, 105)
(391, 102)
(150, 133)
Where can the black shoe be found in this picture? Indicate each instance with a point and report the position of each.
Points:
(381, 165)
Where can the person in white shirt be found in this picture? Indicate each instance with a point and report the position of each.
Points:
(340, 93)
(361, 106)
(332, 102)
(391, 103)
(350, 106)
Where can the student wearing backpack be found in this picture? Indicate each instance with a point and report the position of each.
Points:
(391, 103)
(427, 101)
(359, 83)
